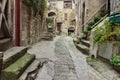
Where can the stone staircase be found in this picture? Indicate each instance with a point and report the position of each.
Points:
(47, 36)
(17, 64)
(83, 46)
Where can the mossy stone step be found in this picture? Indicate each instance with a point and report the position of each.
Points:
(33, 67)
(83, 48)
(47, 38)
(14, 71)
(85, 42)
(11, 55)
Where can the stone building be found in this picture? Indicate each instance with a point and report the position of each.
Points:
(103, 50)
(64, 17)
(86, 10)
(19, 25)
(63, 10)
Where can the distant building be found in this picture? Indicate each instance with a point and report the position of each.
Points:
(86, 10)
(63, 10)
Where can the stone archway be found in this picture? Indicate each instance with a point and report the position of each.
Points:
(71, 30)
(51, 14)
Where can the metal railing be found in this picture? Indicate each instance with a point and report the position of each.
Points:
(99, 21)
(95, 14)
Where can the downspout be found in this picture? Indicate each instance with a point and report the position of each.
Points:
(109, 7)
(17, 22)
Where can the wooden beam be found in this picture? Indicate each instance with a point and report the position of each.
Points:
(2, 10)
(7, 26)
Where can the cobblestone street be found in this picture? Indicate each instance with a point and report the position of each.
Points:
(64, 61)
(59, 40)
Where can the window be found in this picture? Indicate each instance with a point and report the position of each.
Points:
(65, 16)
(67, 4)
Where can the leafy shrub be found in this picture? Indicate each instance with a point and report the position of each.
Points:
(97, 18)
(106, 33)
(90, 25)
(37, 5)
(115, 61)
(85, 31)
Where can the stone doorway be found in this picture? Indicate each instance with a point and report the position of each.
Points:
(59, 28)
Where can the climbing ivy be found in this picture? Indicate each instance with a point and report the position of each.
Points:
(37, 5)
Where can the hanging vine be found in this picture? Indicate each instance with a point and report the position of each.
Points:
(39, 6)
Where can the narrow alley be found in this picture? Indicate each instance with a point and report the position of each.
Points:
(59, 39)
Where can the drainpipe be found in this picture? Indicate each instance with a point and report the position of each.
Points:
(17, 22)
(109, 8)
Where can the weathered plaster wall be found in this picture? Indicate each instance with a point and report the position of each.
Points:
(106, 51)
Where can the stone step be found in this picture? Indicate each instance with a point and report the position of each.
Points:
(14, 71)
(46, 38)
(85, 42)
(32, 68)
(83, 48)
(13, 54)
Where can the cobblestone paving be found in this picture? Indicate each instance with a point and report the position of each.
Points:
(64, 61)
(64, 66)
(84, 71)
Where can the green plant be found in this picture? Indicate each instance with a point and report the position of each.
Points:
(115, 60)
(106, 33)
(37, 5)
(97, 18)
(50, 21)
(85, 31)
(90, 25)
(99, 32)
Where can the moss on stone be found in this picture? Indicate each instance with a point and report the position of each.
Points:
(15, 70)
(13, 58)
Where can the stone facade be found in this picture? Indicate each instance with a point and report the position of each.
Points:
(63, 14)
(86, 10)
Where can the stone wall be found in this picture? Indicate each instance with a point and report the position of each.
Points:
(32, 25)
(86, 11)
(93, 9)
